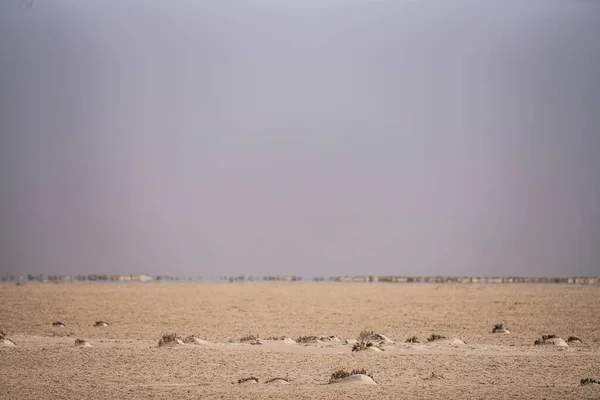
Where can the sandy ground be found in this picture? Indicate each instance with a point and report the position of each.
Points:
(126, 362)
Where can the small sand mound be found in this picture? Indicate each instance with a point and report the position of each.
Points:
(81, 343)
(248, 380)
(58, 324)
(5, 342)
(356, 376)
(500, 328)
(278, 381)
(435, 338)
(366, 346)
(356, 379)
(374, 337)
(100, 324)
(193, 339)
(550, 340)
(170, 339)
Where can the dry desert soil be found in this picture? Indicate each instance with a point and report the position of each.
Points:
(123, 358)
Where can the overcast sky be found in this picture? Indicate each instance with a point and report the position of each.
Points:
(310, 137)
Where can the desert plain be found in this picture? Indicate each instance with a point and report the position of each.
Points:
(124, 359)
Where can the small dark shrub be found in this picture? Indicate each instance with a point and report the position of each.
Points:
(365, 335)
(571, 339)
(589, 381)
(362, 345)
(58, 323)
(307, 339)
(167, 338)
(435, 336)
(79, 342)
(249, 338)
(413, 339)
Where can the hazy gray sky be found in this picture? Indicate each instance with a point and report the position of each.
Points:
(315, 137)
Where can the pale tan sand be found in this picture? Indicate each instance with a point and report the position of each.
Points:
(126, 362)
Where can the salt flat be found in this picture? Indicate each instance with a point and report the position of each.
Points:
(125, 361)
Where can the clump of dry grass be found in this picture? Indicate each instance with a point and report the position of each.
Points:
(574, 339)
(58, 324)
(435, 336)
(307, 339)
(364, 335)
(250, 378)
(275, 338)
(341, 374)
(249, 338)
(80, 342)
(413, 339)
(589, 381)
(168, 338)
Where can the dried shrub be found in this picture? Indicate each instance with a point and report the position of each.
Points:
(250, 378)
(589, 381)
(79, 342)
(58, 323)
(365, 335)
(249, 338)
(307, 339)
(435, 336)
(168, 338)
(364, 345)
(413, 339)
(341, 374)
(571, 339)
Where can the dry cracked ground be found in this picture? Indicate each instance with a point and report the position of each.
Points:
(306, 332)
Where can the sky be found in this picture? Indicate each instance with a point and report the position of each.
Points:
(308, 137)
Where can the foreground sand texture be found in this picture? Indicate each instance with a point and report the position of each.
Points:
(125, 360)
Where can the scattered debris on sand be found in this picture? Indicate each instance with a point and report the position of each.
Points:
(81, 343)
(170, 339)
(433, 376)
(58, 324)
(100, 324)
(250, 379)
(500, 328)
(193, 339)
(278, 381)
(356, 376)
(550, 340)
(6, 342)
